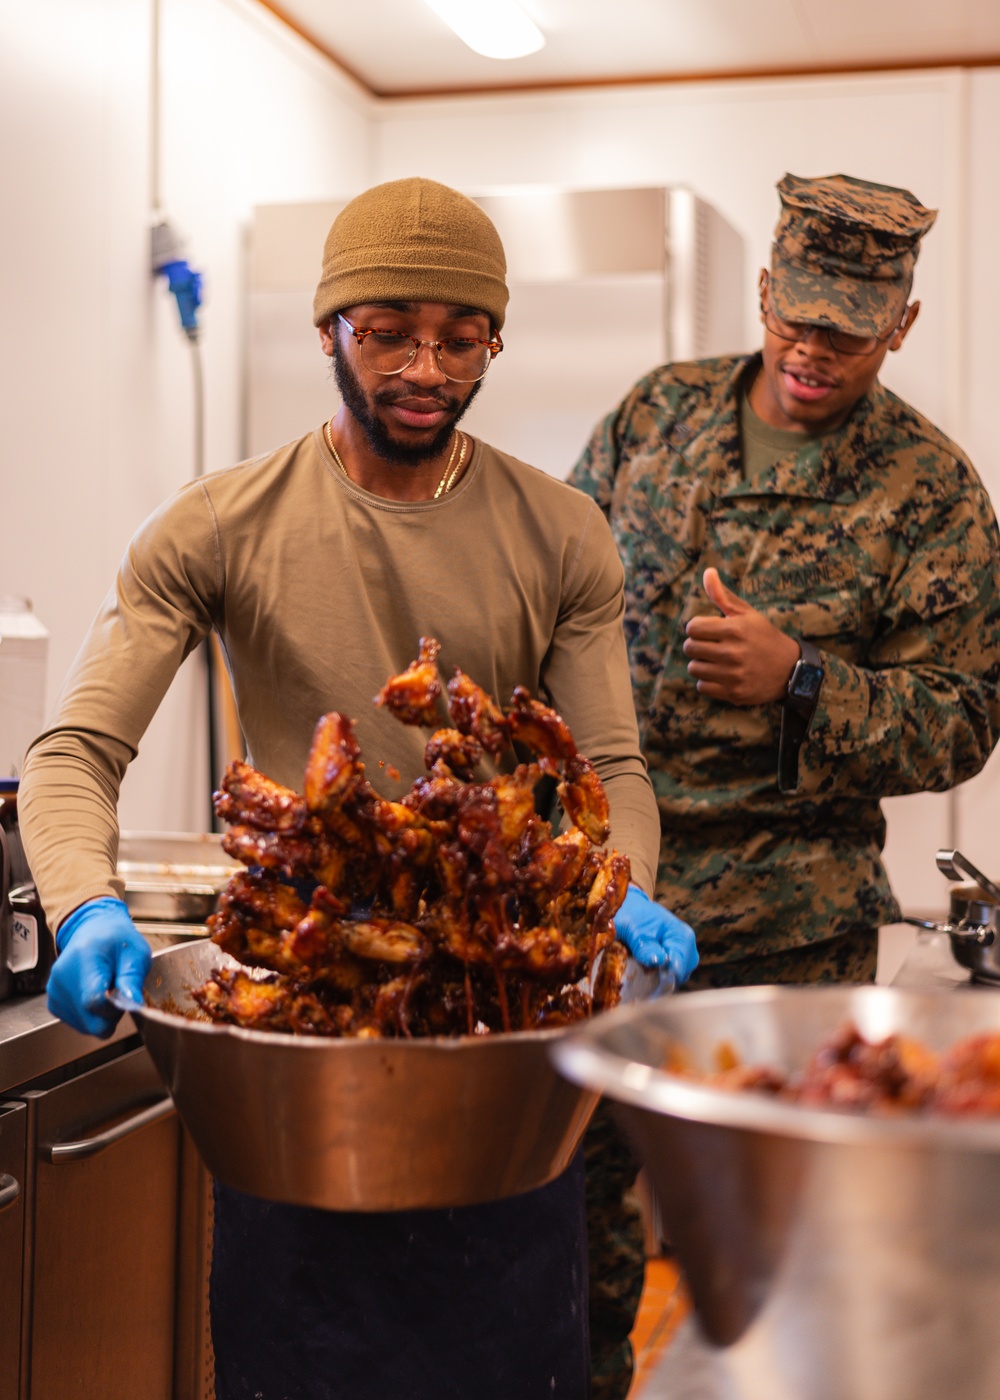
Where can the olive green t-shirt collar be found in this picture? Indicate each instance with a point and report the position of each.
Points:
(761, 445)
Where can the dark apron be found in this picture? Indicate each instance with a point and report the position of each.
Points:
(481, 1303)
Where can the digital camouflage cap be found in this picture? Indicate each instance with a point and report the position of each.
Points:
(844, 251)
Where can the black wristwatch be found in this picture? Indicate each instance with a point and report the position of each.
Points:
(799, 706)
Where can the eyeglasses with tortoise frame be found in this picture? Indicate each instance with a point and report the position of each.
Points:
(463, 359)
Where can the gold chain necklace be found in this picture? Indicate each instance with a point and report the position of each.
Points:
(448, 480)
(449, 476)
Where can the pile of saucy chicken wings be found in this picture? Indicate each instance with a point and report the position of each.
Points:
(455, 911)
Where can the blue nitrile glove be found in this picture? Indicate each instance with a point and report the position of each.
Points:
(654, 936)
(99, 947)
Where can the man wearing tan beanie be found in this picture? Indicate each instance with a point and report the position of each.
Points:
(320, 565)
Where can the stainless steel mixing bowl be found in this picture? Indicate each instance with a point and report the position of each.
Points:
(359, 1124)
(844, 1256)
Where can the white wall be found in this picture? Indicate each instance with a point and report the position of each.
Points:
(731, 142)
(932, 132)
(96, 377)
(979, 800)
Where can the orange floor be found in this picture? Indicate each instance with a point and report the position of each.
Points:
(663, 1307)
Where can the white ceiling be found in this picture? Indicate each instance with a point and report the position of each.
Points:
(400, 46)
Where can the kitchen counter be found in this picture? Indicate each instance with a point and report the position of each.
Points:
(33, 1042)
(930, 967)
(169, 878)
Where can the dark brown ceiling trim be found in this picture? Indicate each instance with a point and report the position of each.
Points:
(701, 75)
(318, 44)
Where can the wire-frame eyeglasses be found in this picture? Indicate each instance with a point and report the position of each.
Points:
(463, 359)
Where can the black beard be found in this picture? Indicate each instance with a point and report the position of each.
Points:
(379, 439)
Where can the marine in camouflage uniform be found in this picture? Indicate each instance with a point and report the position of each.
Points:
(868, 535)
(875, 541)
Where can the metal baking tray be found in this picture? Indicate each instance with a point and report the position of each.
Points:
(173, 877)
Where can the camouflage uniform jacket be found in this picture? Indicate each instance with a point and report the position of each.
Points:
(876, 542)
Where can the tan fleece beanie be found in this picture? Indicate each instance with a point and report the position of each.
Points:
(412, 240)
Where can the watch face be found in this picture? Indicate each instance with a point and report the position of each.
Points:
(807, 681)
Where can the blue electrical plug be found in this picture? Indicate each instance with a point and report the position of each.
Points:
(183, 281)
(185, 284)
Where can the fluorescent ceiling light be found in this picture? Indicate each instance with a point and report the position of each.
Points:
(494, 28)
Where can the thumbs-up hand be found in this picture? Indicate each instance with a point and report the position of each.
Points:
(740, 657)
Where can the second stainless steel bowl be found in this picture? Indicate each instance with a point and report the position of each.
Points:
(841, 1256)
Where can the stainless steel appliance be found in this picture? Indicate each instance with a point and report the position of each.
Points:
(27, 949)
(836, 1256)
(172, 881)
(604, 286)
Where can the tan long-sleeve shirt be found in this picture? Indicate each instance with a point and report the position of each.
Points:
(320, 592)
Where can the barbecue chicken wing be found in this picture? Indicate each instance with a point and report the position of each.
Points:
(334, 769)
(474, 713)
(584, 800)
(538, 727)
(247, 796)
(458, 752)
(412, 696)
